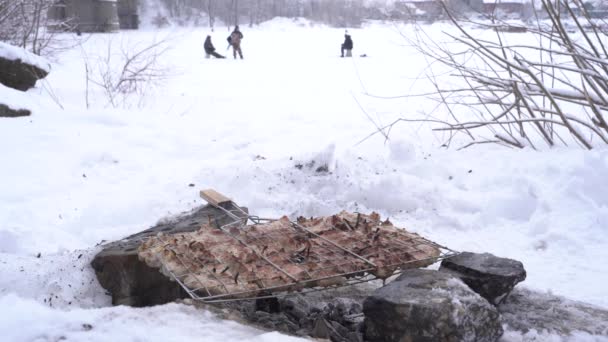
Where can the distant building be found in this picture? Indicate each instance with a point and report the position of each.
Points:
(94, 15)
(466, 5)
(420, 9)
(433, 9)
(597, 9)
(512, 7)
(127, 14)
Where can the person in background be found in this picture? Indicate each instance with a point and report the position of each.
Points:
(235, 41)
(210, 49)
(347, 45)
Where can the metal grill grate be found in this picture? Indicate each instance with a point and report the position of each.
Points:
(301, 259)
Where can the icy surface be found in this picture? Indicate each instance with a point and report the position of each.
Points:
(258, 130)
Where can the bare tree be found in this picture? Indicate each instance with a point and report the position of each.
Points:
(552, 93)
(126, 71)
(211, 14)
(21, 22)
(25, 23)
(335, 12)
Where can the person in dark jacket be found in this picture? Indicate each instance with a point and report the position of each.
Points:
(210, 49)
(235, 40)
(347, 45)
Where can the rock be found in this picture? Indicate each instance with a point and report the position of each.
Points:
(302, 332)
(426, 305)
(526, 310)
(261, 317)
(354, 337)
(283, 323)
(339, 319)
(270, 305)
(20, 69)
(295, 307)
(354, 322)
(278, 321)
(339, 332)
(132, 282)
(490, 276)
(345, 311)
(320, 329)
(330, 330)
(7, 112)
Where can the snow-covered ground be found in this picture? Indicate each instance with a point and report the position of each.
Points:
(72, 177)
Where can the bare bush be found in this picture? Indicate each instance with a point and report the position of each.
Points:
(334, 12)
(25, 23)
(553, 92)
(126, 71)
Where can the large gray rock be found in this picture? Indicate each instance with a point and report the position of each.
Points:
(8, 112)
(425, 305)
(20, 69)
(132, 282)
(490, 276)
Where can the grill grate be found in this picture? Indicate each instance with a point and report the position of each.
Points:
(270, 258)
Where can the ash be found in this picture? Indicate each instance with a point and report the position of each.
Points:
(335, 314)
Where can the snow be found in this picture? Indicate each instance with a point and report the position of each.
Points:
(72, 177)
(533, 335)
(122, 324)
(505, 1)
(15, 99)
(14, 53)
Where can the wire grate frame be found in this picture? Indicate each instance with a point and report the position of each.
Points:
(319, 261)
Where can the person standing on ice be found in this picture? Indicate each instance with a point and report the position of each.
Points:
(347, 45)
(235, 40)
(210, 49)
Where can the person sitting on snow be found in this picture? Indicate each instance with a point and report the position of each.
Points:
(347, 45)
(210, 49)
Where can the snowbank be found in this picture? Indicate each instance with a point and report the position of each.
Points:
(14, 53)
(172, 322)
(534, 335)
(63, 280)
(287, 24)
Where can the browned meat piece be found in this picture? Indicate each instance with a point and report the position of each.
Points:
(333, 281)
(324, 251)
